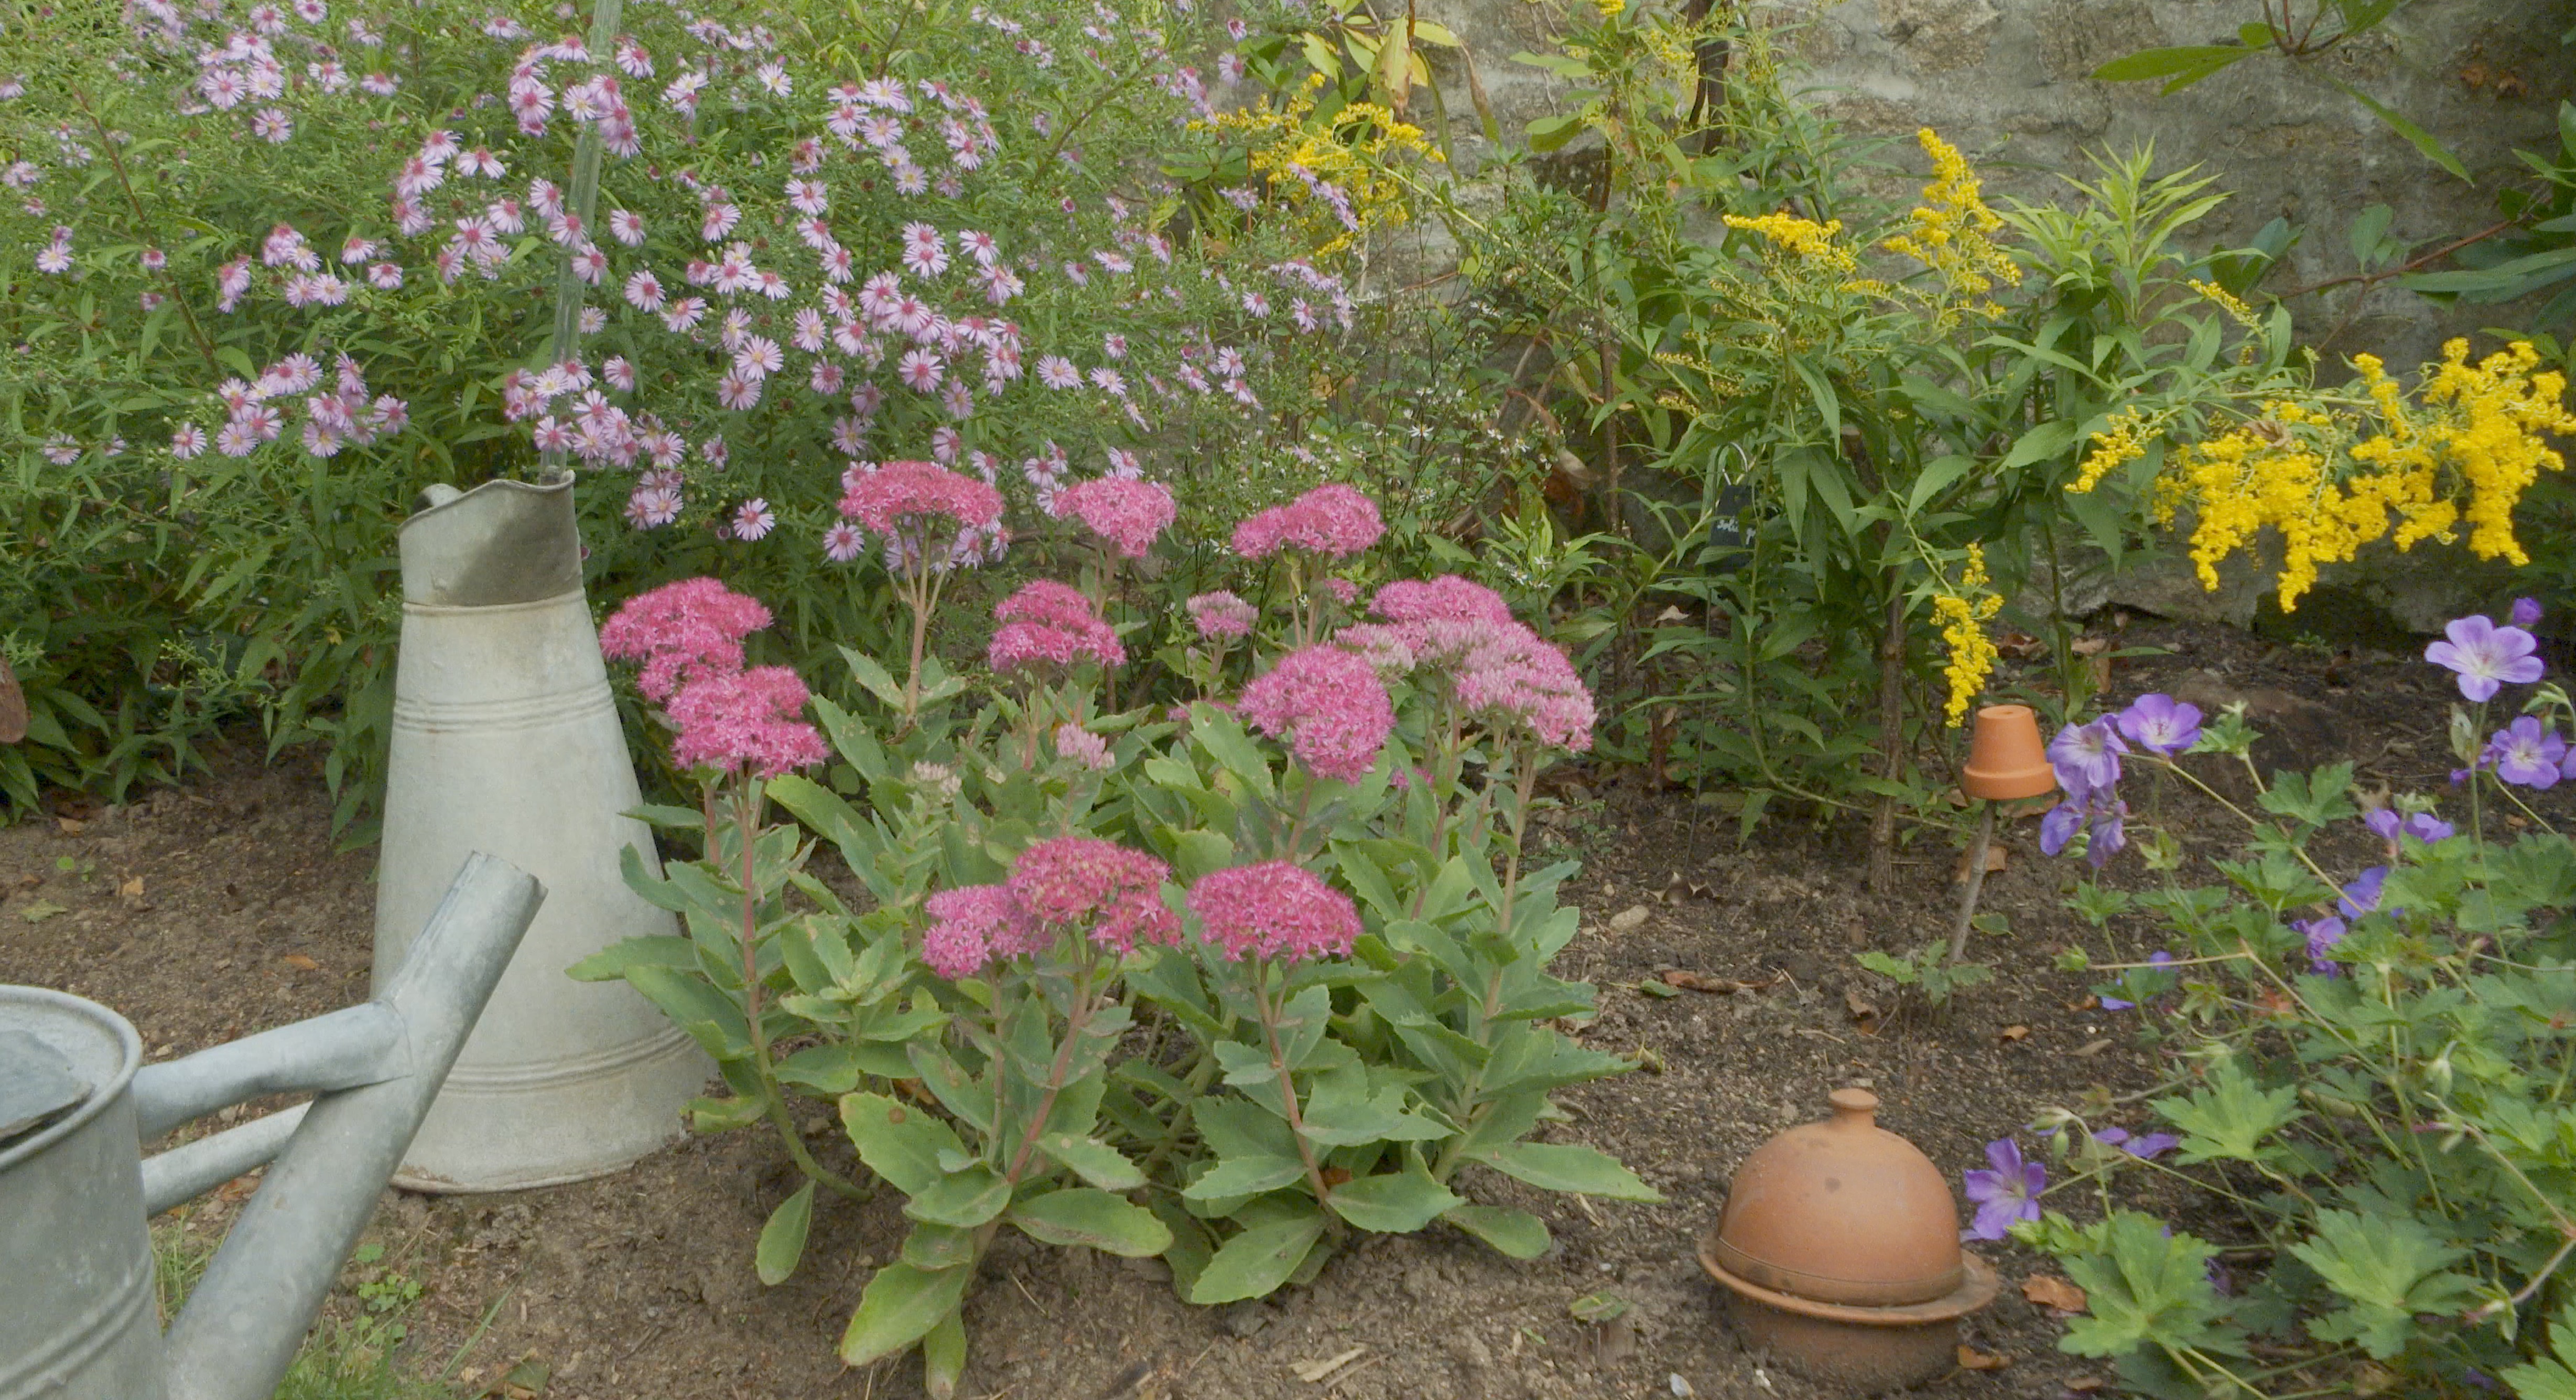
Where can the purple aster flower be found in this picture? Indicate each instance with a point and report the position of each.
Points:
(2526, 612)
(2362, 895)
(2160, 724)
(2008, 1193)
(2086, 757)
(2527, 752)
(2322, 934)
(2485, 655)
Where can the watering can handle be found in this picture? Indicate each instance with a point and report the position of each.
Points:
(240, 1329)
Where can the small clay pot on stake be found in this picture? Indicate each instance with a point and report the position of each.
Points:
(2006, 761)
(1839, 1250)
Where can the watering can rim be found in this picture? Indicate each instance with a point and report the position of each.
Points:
(432, 504)
(101, 1096)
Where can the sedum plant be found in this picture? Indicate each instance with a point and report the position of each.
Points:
(2369, 1123)
(1225, 983)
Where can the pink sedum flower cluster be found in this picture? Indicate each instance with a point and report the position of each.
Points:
(1328, 705)
(1130, 515)
(973, 924)
(918, 493)
(1274, 910)
(1082, 881)
(1447, 598)
(1048, 623)
(1333, 520)
(1495, 666)
(1079, 745)
(1221, 616)
(745, 719)
(689, 637)
(681, 631)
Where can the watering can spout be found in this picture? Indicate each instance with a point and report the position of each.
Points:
(503, 542)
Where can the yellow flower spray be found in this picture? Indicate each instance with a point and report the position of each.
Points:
(1963, 612)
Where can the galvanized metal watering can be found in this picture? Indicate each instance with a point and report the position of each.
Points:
(76, 1101)
(505, 737)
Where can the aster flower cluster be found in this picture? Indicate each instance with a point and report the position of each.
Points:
(689, 637)
(1051, 624)
(1105, 892)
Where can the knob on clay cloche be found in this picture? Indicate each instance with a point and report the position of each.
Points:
(1839, 1250)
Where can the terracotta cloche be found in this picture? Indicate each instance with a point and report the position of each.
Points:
(2006, 757)
(1839, 1247)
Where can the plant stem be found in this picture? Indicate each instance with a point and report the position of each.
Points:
(1287, 1084)
(1891, 724)
(774, 1097)
(583, 203)
(1976, 882)
(134, 202)
(1073, 1023)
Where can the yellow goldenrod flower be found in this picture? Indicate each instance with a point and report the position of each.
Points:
(1339, 171)
(1952, 228)
(2120, 442)
(1805, 239)
(1963, 613)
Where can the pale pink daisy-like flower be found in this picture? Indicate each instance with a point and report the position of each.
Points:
(745, 719)
(753, 520)
(738, 393)
(1111, 892)
(1079, 745)
(626, 227)
(1221, 616)
(236, 439)
(979, 245)
(758, 357)
(1129, 515)
(971, 925)
(1333, 519)
(1328, 705)
(188, 441)
(1051, 624)
(385, 276)
(843, 542)
(1057, 372)
(1114, 346)
(681, 631)
(619, 372)
(653, 507)
(644, 292)
(826, 379)
(920, 370)
(1274, 910)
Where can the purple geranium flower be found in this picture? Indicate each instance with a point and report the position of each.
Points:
(2323, 934)
(2526, 612)
(2423, 826)
(2110, 833)
(2527, 752)
(2485, 655)
(2086, 757)
(2146, 1147)
(2118, 1004)
(2362, 895)
(2160, 724)
(2008, 1193)
(2059, 827)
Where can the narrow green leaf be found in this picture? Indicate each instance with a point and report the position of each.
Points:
(899, 1308)
(1516, 1233)
(1256, 1262)
(1568, 1167)
(1092, 1218)
(782, 1240)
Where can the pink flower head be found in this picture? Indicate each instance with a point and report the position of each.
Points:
(1128, 514)
(1048, 623)
(1447, 598)
(1274, 910)
(1328, 705)
(918, 492)
(745, 719)
(1072, 881)
(1221, 616)
(1332, 519)
(973, 924)
(1080, 745)
(682, 631)
(1516, 677)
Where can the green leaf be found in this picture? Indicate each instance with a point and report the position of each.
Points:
(2416, 136)
(2388, 1267)
(1393, 1203)
(2552, 1377)
(609, 964)
(1257, 1261)
(938, 1246)
(825, 1069)
(898, 1143)
(963, 1198)
(943, 1356)
(725, 1115)
(2229, 1119)
(2142, 1288)
(899, 1308)
(2184, 65)
(709, 1016)
(782, 1240)
(1568, 1167)
(1245, 1176)
(1096, 1219)
(1516, 1233)
(1092, 1160)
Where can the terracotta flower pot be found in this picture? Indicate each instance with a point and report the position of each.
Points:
(2006, 757)
(1839, 1249)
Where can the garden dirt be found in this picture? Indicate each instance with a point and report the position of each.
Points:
(220, 908)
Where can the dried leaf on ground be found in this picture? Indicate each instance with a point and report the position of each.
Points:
(1971, 1359)
(1995, 860)
(40, 911)
(1627, 919)
(71, 826)
(301, 963)
(1317, 1370)
(2050, 1291)
(131, 887)
(2092, 1047)
(1690, 981)
(2010, 1034)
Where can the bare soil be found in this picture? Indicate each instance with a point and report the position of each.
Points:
(220, 908)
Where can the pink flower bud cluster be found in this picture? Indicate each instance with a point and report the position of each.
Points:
(1221, 616)
(1333, 519)
(1080, 745)
(1128, 514)
(1274, 910)
(681, 631)
(1494, 665)
(973, 924)
(1048, 623)
(1085, 882)
(918, 492)
(689, 637)
(1328, 706)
